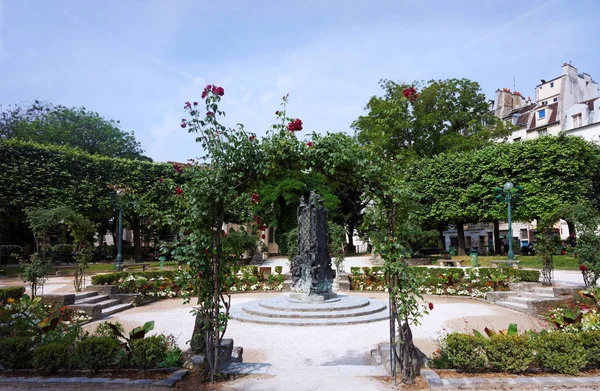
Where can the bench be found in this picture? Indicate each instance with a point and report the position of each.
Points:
(450, 262)
(60, 268)
(143, 266)
(507, 263)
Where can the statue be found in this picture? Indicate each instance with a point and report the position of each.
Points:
(312, 274)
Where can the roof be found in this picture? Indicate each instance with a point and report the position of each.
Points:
(589, 103)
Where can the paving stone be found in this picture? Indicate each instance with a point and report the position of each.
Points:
(164, 383)
(178, 375)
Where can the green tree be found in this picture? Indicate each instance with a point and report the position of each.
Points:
(75, 127)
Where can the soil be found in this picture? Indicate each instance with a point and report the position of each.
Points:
(453, 374)
(418, 385)
(132, 374)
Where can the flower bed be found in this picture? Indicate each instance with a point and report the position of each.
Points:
(172, 283)
(580, 315)
(474, 282)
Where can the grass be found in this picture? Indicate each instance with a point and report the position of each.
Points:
(561, 262)
(104, 267)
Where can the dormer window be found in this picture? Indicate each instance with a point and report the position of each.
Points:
(542, 114)
(551, 84)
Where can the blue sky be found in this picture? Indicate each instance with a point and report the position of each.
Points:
(139, 61)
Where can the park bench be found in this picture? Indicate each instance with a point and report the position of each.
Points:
(128, 266)
(59, 269)
(450, 262)
(507, 263)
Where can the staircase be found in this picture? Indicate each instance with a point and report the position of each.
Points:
(530, 299)
(98, 306)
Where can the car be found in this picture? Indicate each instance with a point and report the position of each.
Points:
(528, 250)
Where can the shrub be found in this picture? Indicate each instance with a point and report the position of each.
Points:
(97, 353)
(278, 269)
(61, 249)
(13, 292)
(10, 253)
(522, 275)
(50, 357)
(367, 270)
(591, 343)
(15, 352)
(376, 269)
(148, 352)
(466, 351)
(507, 353)
(355, 270)
(561, 352)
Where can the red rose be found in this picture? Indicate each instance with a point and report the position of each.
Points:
(582, 268)
(255, 199)
(160, 180)
(178, 191)
(252, 138)
(430, 306)
(183, 125)
(406, 93)
(263, 236)
(295, 125)
(195, 103)
(187, 105)
(210, 114)
(203, 94)
(177, 167)
(277, 112)
(309, 144)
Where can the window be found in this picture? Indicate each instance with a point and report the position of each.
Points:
(523, 233)
(468, 241)
(551, 84)
(517, 139)
(577, 120)
(542, 114)
(555, 100)
(271, 235)
(545, 102)
(542, 132)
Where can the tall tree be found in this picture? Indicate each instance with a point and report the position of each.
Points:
(74, 127)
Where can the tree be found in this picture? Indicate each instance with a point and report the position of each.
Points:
(447, 115)
(75, 127)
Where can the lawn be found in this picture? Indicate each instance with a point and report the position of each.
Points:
(561, 262)
(105, 267)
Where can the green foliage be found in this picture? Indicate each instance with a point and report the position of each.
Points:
(466, 352)
(291, 243)
(591, 343)
(561, 352)
(49, 358)
(586, 220)
(105, 329)
(508, 353)
(13, 292)
(278, 269)
(337, 240)
(16, 352)
(148, 352)
(97, 353)
(74, 127)
(34, 272)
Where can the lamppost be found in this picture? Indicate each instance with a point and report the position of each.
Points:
(508, 186)
(507, 194)
(119, 259)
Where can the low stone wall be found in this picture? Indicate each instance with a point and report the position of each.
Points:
(59, 299)
(102, 289)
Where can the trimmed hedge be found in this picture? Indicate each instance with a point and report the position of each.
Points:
(522, 275)
(560, 352)
(13, 292)
(113, 278)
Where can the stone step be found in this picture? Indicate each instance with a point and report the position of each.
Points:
(541, 296)
(254, 308)
(521, 307)
(244, 317)
(549, 291)
(341, 303)
(92, 299)
(84, 295)
(116, 308)
(108, 303)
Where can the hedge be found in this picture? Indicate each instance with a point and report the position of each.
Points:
(522, 275)
(113, 278)
(560, 352)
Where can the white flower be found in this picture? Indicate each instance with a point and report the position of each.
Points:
(233, 289)
(279, 287)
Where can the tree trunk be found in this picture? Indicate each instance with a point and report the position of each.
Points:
(572, 232)
(137, 239)
(407, 354)
(497, 243)
(441, 239)
(350, 233)
(460, 230)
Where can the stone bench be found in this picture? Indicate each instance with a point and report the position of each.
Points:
(59, 269)
(513, 264)
(143, 266)
(450, 262)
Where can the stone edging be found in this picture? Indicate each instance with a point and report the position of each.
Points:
(168, 382)
(435, 382)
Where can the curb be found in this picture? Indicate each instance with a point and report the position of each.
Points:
(435, 382)
(168, 382)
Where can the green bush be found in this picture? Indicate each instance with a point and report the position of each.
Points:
(61, 249)
(376, 269)
(13, 292)
(97, 353)
(561, 352)
(10, 253)
(466, 351)
(591, 343)
(113, 278)
(355, 270)
(509, 353)
(15, 352)
(148, 352)
(522, 275)
(278, 269)
(49, 358)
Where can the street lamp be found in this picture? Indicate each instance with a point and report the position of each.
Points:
(119, 259)
(508, 186)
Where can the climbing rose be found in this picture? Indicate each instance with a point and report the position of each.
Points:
(210, 114)
(160, 180)
(430, 306)
(178, 191)
(309, 144)
(177, 167)
(255, 198)
(203, 94)
(187, 105)
(252, 138)
(277, 112)
(263, 236)
(195, 103)
(582, 268)
(183, 125)
(410, 94)
(295, 125)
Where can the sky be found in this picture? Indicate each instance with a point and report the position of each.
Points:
(138, 61)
